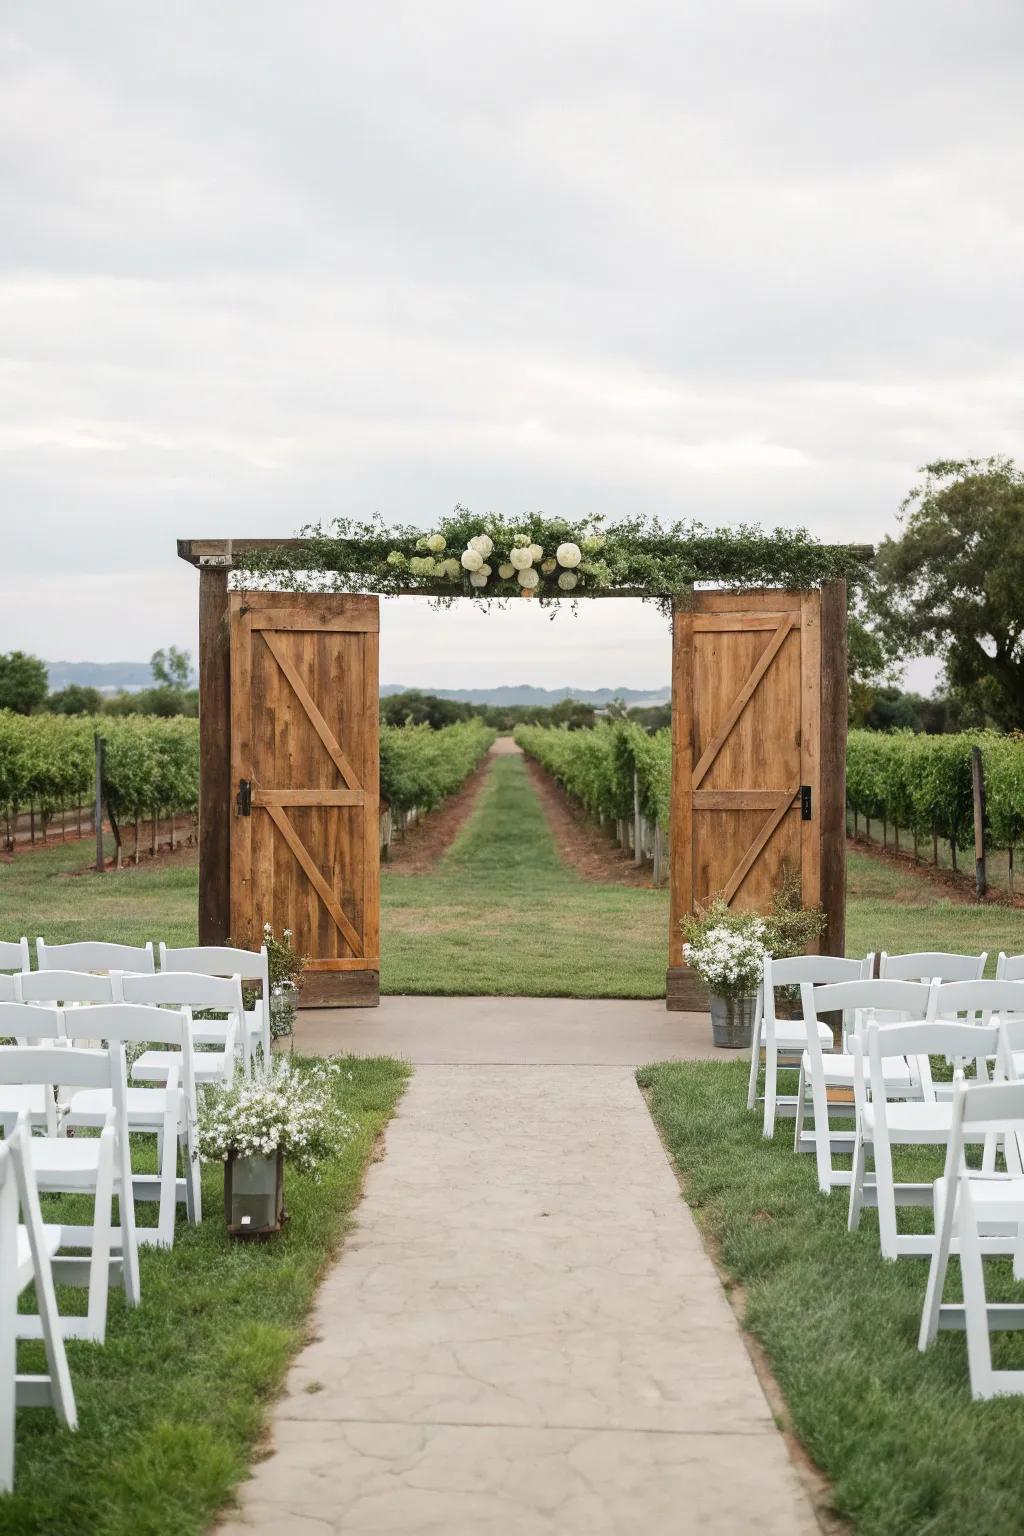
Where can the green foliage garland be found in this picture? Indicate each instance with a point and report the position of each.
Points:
(636, 556)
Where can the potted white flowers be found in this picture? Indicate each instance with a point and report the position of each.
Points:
(283, 1111)
(727, 950)
(286, 966)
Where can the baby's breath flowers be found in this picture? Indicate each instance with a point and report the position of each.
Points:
(281, 1108)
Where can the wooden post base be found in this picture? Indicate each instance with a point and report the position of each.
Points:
(683, 992)
(340, 989)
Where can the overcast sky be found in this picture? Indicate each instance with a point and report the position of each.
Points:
(265, 263)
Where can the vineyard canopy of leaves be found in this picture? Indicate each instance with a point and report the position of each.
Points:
(597, 766)
(923, 783)
(420, 766)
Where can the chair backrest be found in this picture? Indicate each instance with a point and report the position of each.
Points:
(869, 994)
(94, 955)
(1009, 967)
(220, 960)
(817, 969)
(130, 1023)
(63, 987)
(67, 1065)
(939, 1037)
(14, 955)
(951, 998)
(22, 1021)
(222, 994)
(992, 1109)
(931, 965)
(1011, 1045)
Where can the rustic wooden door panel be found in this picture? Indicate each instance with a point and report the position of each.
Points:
(747, 682)
(305, 737)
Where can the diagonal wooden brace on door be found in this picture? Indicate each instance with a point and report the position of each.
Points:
(315, 878)
(743, 698)
(316, 719)
(784, 803)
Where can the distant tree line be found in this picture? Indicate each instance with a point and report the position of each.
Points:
(25, 689)
(413, 707)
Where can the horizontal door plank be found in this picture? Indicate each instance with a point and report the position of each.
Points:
(338, 623)
(321, 797)
(736, 799)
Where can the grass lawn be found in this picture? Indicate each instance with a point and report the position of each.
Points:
(171, 1406)
(906, 1450)
(500, 913)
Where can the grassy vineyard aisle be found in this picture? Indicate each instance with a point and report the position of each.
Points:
(502, 914)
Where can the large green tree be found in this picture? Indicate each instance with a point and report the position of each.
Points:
(951, 584)
(23, 682)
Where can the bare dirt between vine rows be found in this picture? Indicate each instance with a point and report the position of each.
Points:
(956, 885)
(430, 838)
(581, 843)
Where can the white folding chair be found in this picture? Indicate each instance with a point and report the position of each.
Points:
(1009, 967)
(785, 1040)
(94, 955)
(26, 1248)
(58, 989)
(224, 960)
(99, 1166)
(982, 1002)
(180, 989)
(14, 955)
(931, 965)
(34, 1102)
(167, 1112)
(885, 1121)
(981, 1214)
(856, 1000)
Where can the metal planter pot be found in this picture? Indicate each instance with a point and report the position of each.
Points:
(732, 1021)
(254, 1195)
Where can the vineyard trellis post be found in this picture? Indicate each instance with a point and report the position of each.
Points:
(99, 743)
(978, 803)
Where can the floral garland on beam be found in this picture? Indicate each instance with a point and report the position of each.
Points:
(546, 558)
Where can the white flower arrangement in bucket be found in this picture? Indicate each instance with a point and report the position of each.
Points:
(281, 1111)
(727, 951)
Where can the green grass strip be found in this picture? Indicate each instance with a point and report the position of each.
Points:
(906, 1450)
(171, 1406)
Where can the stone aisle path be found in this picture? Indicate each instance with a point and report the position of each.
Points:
(523, 1337)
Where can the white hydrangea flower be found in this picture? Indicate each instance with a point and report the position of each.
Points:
(451, 569)
(521, 557)
(568, 555)
(521, 541)
(477, 579)
(549, 565)
(436, 542)
(472, 559)
(528, 577)
(567, 580)
(483, 544)
(485, 569)
(505, 570)
(537, 551)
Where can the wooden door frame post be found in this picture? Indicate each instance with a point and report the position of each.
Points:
(834, 724)
(214, 753)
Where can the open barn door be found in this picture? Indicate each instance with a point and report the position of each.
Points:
(754, 776)
(305, 781)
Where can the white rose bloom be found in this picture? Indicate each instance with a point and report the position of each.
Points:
(477, 579)
(537, 551)
(482, 544)
(568, 554)
(528, 577)
(506, 570)
(436, 542)
(549, 565)
(472, 559)
(567, 580)
(521, 558)
(485, 570)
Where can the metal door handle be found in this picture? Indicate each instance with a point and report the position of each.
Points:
(243, 800)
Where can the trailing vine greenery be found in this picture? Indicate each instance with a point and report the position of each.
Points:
(636, 557)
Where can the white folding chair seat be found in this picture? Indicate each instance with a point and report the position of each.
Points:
(883, 1124)
(94, 955)
(819, 1072)
(978, 1215)
(226, 960)
(26, 1253)
(168, 1111)
(97, 1165)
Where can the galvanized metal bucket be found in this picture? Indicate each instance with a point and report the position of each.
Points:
(732, 1021)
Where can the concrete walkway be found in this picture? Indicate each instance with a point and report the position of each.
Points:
(523, 1337)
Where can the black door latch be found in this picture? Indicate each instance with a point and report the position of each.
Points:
(805, 802)
(243, 800)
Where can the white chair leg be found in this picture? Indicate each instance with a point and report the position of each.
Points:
(822, 1137)
(8, 1327)
(771, 1083)
(193, 1184)
(102, 1222)
(755, 1062)
(937, 1267)
(129, 1237)
(801, 1101)
(979, 1345)
(856, 1183)
(168, 1184)
(886, 1192)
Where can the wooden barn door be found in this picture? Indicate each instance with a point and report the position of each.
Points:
(747, 792)
(305, 777)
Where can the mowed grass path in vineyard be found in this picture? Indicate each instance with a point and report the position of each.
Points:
(499, 914)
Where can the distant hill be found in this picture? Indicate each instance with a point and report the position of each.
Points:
(108, 676)
(526, 693)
